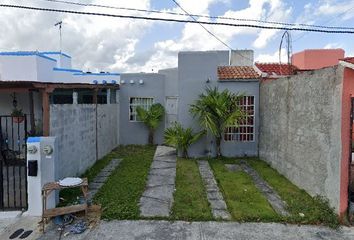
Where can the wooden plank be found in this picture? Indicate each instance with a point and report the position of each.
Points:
(64, 210)
(46, 113)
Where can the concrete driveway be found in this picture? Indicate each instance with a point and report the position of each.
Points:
(162, 230)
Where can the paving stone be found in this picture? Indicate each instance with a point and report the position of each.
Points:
(163, 192)
(164, 172)
(154, 180)
(218, 204)
(157, 198)
(215, 198)
(95, 185)
(214, 195)
(104, 174)
(221, 214)
(100, 179)
(272, 196)
(161, 164)
(233, 167)
(151, 208)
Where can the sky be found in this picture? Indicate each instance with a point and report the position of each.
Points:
(128, 45)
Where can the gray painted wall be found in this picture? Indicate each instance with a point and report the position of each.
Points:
(74, 125)
(171, 81)
(300, 130)
(154, 86)
(194, 69)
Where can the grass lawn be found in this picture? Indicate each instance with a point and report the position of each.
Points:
(69, 195)
(316, 210)
(120, 195)
(190, 200)
(243, 199)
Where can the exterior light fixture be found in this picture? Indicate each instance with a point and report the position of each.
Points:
(104, 81)
(208, 80)
(95, 81)
(114, 82)
(122, 82)
(131, 81)
(141, 81)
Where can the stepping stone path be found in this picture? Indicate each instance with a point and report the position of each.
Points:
(157, 198)
(272, 196)
(233, 167)
(215, 198)
(102, 177)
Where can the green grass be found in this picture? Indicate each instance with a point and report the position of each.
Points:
(316, 210)
(243, 199)
(120, 195)
(190, 200)
(69, 196)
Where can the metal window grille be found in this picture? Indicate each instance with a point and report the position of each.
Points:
(136, 101)
(245, 130)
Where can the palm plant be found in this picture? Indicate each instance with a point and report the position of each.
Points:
(181, 138)
(216, 111)
(151, 118)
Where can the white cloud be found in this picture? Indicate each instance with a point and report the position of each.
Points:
(274, 57)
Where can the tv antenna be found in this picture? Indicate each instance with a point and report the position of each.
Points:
(60, 36)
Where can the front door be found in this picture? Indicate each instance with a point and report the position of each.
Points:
(171, 111)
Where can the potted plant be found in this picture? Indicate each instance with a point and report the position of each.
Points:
(17, 115)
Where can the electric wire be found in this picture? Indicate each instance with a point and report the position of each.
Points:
(207, 30)
(198, 15)
(176, 20)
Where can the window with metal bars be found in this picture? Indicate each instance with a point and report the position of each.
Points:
(136, 101)
(245, 130)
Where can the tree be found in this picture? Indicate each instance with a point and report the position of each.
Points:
(181, 138)
(151, 118)
(216, 111)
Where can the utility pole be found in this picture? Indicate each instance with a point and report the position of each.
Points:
(60, 36)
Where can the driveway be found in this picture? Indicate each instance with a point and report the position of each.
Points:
(161, 230)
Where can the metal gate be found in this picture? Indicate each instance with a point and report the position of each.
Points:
(13, 174)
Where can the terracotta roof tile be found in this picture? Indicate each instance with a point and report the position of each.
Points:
(348, 59)
(276, 68)
(237, 72)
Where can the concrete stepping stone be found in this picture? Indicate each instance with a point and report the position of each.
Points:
(102, 177)
(157, 198)
(233, 167)
(215, 198)
(272, 196)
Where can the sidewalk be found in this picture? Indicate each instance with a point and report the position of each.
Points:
(161, 230)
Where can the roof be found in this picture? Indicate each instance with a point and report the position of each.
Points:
(276, 68)
(237, 72)
(348, 60)
(56, 53)
(27, 53)
(43, 85)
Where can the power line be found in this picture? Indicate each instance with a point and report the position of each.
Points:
(199, 15)
(207, 30)
(176, 20)
(330, 20)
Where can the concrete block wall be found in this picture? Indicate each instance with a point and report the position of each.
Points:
(300, 130)
(74, 125)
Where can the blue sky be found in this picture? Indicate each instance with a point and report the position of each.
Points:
(124, 45)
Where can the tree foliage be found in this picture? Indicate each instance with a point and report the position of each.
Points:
(181, 138)
(216, 110)
(151, 118)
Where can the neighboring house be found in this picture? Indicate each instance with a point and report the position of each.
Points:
(79, 108)
(305, 123)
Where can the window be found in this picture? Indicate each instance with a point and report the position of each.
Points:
(245, 131)
(61, 96)
(134, 102)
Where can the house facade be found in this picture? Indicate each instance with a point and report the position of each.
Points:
(178, 88)
(299, 116)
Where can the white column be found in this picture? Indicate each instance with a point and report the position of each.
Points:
(43, 151)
